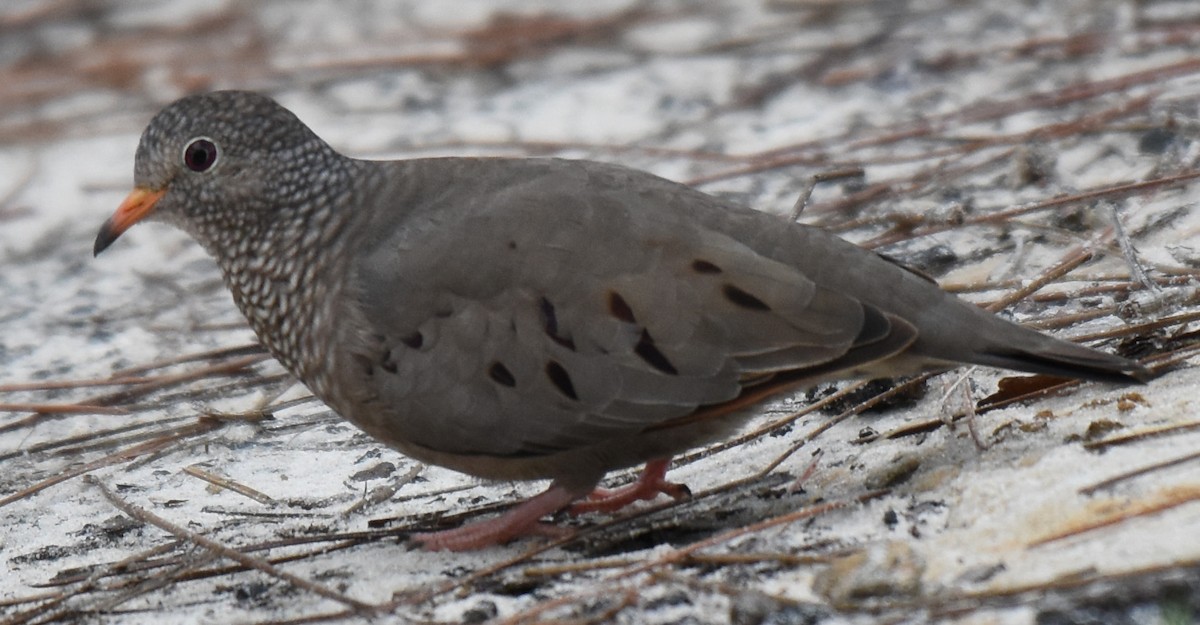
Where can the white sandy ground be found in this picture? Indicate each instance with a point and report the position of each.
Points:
(965, 522)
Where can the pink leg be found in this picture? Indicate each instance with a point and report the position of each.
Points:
(650, 484)
(522, 520)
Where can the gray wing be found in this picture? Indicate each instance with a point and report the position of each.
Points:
(518, 308)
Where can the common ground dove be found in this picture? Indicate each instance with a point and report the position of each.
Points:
(522, 319)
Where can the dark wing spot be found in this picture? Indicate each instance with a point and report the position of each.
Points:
(388, 365)
(743, 299)
(549, 316)
(414, 340)
(703, 266)
(619, 308)
(561, 379)
(501, 375)
(550, 324)
(364, 363)
(648, 351)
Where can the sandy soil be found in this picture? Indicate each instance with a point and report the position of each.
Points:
(154, 467)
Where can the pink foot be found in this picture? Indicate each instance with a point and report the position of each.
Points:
(523, 520)
(650, 484)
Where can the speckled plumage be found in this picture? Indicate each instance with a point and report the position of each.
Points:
(541, 318)
(272, 223)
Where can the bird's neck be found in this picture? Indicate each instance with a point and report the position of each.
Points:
(283, 277)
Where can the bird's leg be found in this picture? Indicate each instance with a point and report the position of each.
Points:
(523, 520)
(650, 484)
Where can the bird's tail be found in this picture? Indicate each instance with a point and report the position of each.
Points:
(1060, 358)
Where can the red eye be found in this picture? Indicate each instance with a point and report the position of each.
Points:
(200, 154)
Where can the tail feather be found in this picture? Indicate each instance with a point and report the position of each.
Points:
(1067, 360)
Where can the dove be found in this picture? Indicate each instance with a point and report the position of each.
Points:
(541, 318)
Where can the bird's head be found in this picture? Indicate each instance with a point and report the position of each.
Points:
(213, 163)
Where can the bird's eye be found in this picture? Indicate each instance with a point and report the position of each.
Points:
(200, 154)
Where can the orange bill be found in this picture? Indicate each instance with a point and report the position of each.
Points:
(139, 204)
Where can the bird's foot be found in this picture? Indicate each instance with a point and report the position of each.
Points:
(523, 520)
(526, 518)
(650, 484)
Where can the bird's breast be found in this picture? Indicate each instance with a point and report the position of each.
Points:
(291, 310)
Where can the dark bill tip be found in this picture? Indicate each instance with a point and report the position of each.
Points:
(105, 238)
(136, 206)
